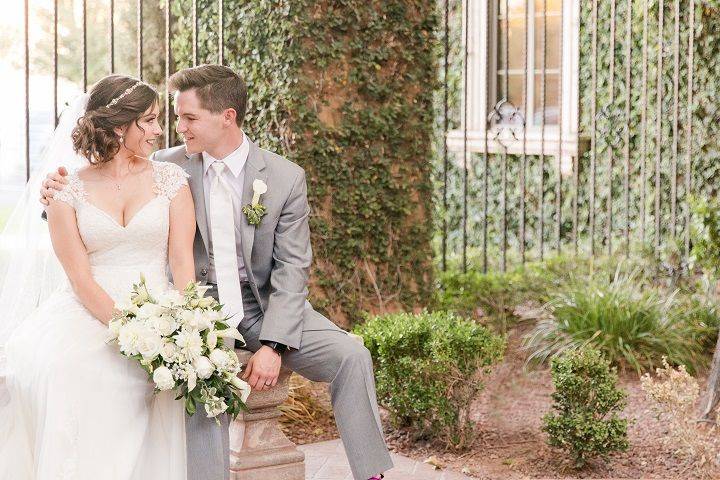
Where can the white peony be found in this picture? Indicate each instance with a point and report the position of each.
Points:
(220, 358)
(162, 376)
(129, 337)
(190, 343)
(204, 367)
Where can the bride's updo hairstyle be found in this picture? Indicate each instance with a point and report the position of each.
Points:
(115, 101)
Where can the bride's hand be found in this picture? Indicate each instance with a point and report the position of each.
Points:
(53, 181)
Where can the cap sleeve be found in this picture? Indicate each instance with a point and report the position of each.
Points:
(169, 178)
(73, 191)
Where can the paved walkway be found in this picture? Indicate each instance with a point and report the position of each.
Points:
(327, 461)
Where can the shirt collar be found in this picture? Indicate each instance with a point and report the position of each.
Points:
(235, 161)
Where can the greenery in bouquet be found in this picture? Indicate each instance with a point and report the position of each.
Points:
(178, 338)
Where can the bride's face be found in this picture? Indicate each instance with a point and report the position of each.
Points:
(140, 136)
(201, 129)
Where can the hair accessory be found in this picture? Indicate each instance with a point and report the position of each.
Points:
(127, 91)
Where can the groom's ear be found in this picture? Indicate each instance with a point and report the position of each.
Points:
(230, 116)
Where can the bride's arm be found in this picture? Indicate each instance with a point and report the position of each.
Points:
(70, 250)
(182, 234)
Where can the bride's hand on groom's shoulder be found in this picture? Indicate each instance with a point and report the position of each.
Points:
(53, 181)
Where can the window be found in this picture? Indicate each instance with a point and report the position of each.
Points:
(533, 64)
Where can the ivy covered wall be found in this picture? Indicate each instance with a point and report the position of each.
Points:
(343, 88)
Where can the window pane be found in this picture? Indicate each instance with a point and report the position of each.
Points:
(551, 99)
(553, 6)
(516, 7)
(516, 97)
(552, 42)
(515, 39)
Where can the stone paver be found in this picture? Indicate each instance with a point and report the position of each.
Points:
(327, 461)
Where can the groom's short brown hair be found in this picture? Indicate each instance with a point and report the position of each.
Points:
(217, 87)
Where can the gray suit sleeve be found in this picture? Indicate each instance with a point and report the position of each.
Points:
(292, 256)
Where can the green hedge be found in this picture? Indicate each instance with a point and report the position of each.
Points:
(429, 369)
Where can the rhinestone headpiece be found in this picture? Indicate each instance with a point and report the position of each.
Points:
(127, 91)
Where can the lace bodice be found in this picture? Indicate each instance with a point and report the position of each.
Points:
(139, 247)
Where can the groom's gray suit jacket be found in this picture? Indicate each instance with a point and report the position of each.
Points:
(276, 252)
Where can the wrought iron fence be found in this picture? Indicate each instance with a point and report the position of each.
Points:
(140, 68)
(569, 126)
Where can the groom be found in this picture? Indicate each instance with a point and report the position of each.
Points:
(260, 270)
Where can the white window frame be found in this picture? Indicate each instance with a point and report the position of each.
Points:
(500, 138)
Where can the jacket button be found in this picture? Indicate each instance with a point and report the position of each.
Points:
(203, 272)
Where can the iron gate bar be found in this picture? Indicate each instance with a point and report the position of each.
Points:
(168, 60)
(55, 63)
(221, 34)
(26, 8)
(558, 185)
(676, 114)
(541, 209)
(658, 121)
(111, 36)
(628, 91)
(446, 125)
(610, 145)
(688, 163)
(140, 39)
(643, 123)
(523, 156)
(465, 135)
(194, 33)
(485, 141)
(593, 124)
(84, 46)
(503, 156)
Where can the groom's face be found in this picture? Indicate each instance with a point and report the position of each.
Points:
(201, 129)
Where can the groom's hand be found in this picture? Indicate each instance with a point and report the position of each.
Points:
(263, 369)
(53, 181)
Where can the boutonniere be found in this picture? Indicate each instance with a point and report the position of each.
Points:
(256, 210)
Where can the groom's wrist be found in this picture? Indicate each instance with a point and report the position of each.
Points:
(277, 346)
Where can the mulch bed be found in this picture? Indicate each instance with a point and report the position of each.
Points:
(510, 443)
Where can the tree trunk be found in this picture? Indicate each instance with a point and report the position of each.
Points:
(712, 393)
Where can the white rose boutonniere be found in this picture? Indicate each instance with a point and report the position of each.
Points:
(256, 210)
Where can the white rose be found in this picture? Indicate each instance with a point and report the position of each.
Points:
(164, 324)
(149, 310)
(188, 319)
(204, 367)
(220, 358)
(150, 345)
(169, 351)
(162, 376)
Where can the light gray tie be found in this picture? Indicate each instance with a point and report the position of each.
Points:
(222, 229)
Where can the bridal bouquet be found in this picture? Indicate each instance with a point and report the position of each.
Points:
(177, 337)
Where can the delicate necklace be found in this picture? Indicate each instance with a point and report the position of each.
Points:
(113, 180)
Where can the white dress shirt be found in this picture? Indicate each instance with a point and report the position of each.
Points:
(234, 175)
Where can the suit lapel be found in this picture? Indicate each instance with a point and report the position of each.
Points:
(198, 193)
(254, 169)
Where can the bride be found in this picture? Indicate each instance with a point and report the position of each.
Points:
(71, 406)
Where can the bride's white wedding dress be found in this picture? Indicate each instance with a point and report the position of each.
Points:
(77, 409)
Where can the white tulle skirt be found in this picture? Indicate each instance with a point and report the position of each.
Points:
(74, 408)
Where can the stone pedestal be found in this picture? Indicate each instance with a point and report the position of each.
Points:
(259, 450)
